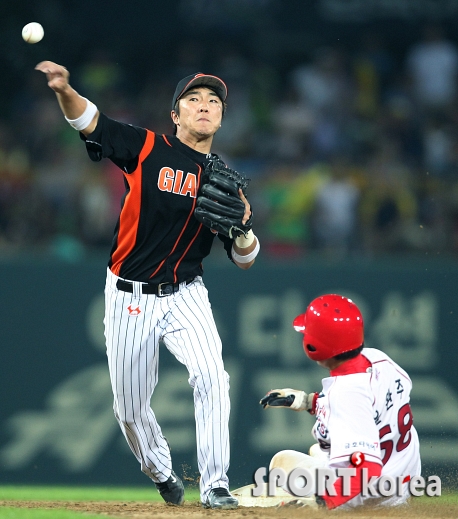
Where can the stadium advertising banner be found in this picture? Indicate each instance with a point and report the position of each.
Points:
(56, 420)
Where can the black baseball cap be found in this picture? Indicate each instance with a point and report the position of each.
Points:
(199, 79)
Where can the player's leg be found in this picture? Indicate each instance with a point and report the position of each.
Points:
(317, 452)
(194, 340)
(289, 460)
(132, 351)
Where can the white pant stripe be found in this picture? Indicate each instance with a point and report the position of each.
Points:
(134, 325)
(211, 420)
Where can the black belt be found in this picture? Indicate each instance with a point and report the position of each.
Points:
(161, 290)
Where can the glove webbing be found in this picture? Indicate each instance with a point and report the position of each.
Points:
(217, 165)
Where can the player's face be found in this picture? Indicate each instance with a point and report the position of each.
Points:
(201, 111)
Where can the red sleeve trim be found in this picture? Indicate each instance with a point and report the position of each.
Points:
(373, 469)
(312, 411)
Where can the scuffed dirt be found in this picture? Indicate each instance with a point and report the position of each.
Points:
(193, 510)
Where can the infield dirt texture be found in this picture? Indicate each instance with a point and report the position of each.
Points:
(419, 508)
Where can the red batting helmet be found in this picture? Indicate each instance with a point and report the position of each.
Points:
(331, 325)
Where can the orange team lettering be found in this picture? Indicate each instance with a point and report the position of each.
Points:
(189, 186)
(171, 181)
(178, 180)
(165, 180)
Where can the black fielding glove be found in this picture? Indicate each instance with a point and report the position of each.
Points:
(219, 206)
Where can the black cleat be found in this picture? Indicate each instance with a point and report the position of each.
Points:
(172, 490)
(221, 499)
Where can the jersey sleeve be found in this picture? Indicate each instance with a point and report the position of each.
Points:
(119, 142)
(351, 421)
(353, 429)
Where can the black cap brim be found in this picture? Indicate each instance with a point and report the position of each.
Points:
(199, 79)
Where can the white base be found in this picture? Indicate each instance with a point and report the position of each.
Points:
(245, 496)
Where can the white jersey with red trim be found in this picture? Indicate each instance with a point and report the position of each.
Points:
(370, 413)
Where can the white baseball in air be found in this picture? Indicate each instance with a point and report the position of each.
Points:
(32, 32)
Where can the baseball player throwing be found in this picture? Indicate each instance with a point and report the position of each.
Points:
(363, 416)
(154, 289)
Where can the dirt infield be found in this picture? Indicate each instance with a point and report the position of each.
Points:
(433, 508)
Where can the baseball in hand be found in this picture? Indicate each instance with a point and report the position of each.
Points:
(32, 32)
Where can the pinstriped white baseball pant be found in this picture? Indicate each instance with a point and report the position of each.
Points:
(134, 324)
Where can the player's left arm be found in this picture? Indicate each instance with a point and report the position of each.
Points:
(247, 246)
(287, 397)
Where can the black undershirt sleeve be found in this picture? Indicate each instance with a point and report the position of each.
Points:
(227, 242)
(119, 142)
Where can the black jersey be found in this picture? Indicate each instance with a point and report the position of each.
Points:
(157, 239)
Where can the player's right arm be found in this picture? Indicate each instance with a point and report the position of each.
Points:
(107, 138)
(352, 430)
(71, 103)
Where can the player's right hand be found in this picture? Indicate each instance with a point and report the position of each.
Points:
(57, 75)
(312, 501)
(283, 398)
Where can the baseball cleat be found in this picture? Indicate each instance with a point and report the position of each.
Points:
(172, 490)
(221, 499)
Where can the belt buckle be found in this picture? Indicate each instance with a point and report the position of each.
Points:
(166, 291)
